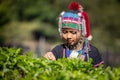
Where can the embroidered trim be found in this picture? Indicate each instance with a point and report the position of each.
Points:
(102, 62)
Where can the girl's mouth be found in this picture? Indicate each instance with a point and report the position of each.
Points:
(70, 42)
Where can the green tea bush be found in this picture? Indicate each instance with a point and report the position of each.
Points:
(14, 66)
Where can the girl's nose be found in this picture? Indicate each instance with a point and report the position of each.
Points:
(69, 35)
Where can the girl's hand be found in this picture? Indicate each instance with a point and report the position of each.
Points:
(50, 55)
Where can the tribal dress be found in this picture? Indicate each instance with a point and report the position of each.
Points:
(60, 51)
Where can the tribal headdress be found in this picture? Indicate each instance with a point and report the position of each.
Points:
(75, 18)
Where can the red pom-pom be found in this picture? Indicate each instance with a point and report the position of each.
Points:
(74, 6)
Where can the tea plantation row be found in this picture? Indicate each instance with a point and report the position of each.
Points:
(14, 66)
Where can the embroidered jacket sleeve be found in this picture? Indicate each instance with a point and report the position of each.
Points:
(95, 55)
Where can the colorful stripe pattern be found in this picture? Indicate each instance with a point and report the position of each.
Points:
(70, 25)
(71, 20)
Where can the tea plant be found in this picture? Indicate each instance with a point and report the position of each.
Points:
(15, 66)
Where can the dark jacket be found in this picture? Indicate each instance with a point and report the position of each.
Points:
(93, 53)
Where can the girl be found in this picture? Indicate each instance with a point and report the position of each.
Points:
(74, 28)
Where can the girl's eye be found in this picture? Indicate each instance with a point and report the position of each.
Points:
(74, 32)
(64, 32)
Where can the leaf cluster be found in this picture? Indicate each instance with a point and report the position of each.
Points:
(14, 66)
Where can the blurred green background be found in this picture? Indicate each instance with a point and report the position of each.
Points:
(32, 24)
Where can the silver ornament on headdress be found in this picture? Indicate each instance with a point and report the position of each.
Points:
(60, 22)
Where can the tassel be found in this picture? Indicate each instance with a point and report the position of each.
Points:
(87, 48)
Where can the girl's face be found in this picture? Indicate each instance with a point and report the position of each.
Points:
(71, 36)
